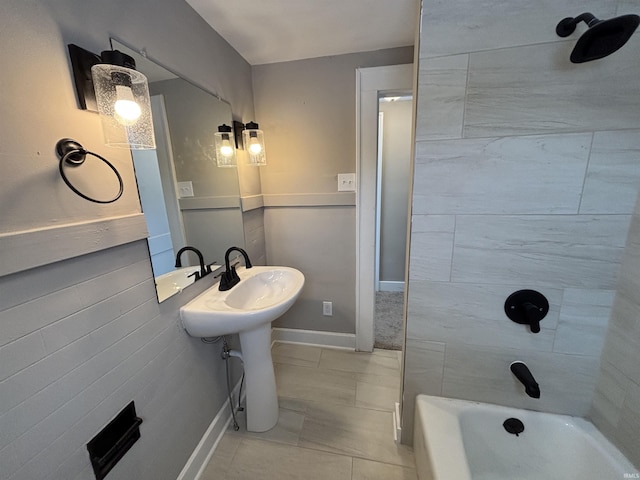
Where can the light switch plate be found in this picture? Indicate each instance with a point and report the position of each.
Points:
(185, 189)
(346, 182)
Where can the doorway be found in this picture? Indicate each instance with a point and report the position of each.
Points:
(395, 114)
(371, 84)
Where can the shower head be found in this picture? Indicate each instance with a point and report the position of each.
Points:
(603, 37)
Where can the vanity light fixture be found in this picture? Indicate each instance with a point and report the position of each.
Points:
(109, 84)
(253, 140)
(225, 148)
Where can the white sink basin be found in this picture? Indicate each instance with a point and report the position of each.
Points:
(261, 296)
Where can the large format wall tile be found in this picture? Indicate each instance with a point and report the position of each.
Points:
(621, 350)
(583, 321)
(500, 23)
(613, 176)
(513, 175)
(424, 368)
(442, 86)
(609, 395)
(431, 247)
(535, 89)
(482, 374)
(474, 314)
(626, 309)
(581, 251)
(627, 6)
(629, 424)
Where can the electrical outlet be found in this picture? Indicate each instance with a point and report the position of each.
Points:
(346, 182)
(185, 189)
(327, 309)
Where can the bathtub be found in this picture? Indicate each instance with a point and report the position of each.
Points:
(462, 440)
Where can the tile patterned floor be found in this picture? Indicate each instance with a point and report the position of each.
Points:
(335, 422)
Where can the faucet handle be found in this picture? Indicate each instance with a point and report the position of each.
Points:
(527, 307)
(233, 273)
(228, 279)
(533, 315)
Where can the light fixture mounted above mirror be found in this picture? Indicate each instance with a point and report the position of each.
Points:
(110, 85)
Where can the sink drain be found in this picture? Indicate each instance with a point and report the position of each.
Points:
(513, 426)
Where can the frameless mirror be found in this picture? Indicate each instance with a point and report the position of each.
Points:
(186, 198)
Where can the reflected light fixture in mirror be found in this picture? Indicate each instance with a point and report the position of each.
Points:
(110, 85)
(253, 140)
(225, 149)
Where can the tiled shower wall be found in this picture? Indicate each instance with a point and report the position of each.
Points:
(616, 403)
(526, 175)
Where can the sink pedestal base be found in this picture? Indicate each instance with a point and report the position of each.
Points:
(259, 377)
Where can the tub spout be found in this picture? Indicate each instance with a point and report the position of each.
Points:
(522, 373)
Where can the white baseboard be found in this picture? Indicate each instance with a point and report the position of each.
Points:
(195, 466)
(397, 424)
(388, 286)
(314, 337)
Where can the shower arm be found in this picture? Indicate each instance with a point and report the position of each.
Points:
(568, 25)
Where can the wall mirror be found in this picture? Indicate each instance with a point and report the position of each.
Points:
(186, 198)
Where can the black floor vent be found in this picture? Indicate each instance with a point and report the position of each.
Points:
(110, 445)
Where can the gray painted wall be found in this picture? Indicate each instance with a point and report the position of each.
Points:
(307, 110)
(526, 176)
(396, 166)
(81, 338)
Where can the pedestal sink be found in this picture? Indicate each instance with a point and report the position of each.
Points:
(261, 296)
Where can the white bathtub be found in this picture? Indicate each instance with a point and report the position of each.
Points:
(462, 440)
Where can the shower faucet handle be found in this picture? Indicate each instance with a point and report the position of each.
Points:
(527, 307)
(533, 315)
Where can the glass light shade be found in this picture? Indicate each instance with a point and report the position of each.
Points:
(254, 145)
(225, 150)
(122, 95)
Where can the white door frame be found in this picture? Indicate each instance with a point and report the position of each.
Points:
(370, 83)
(376, 278)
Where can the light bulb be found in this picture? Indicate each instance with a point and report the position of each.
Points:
(127, 111)
(226, 149)
(254, 147)
(254, 143)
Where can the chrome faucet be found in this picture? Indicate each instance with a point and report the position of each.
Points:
(522, 373)
(204, 270)
(229, 278)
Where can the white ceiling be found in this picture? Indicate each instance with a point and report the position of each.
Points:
(269, 31)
